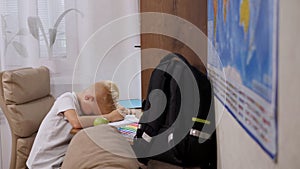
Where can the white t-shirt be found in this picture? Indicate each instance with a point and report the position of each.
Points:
(53, 137)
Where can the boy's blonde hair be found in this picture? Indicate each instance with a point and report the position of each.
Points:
(107, 96)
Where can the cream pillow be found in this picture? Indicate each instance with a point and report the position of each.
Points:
(24, 85)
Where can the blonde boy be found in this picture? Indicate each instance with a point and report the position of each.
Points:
(72, 110)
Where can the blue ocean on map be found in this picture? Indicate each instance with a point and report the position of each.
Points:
(243, 34)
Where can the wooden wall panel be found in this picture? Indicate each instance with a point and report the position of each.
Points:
(194, 11)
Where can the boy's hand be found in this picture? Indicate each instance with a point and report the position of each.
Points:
(113, 116)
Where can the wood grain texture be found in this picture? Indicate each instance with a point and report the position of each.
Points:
(194, 11)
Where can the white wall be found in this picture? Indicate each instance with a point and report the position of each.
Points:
(236, 150)
(105, 51)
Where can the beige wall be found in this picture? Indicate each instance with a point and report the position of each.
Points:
(235, 147)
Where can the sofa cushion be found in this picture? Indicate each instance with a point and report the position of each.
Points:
(101, 147)
(23, 149)
(26, 118)
(23, 85)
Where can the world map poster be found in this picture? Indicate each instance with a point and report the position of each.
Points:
(242, 64)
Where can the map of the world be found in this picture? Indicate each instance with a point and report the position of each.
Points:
(243, 64)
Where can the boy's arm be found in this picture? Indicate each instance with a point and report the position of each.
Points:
(113, 116)
(88, 121)
(78, 122)
(72, 117)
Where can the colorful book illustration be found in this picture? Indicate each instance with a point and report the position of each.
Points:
(129, 131)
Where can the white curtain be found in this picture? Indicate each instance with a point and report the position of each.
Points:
(87, 57)
(18, 47)
(81, 58)
(21, 48)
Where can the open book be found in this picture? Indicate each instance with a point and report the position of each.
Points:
(127, 127)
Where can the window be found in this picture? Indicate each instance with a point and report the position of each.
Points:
(9, 17)
(9, 34)
(9, 7)
(49, 11)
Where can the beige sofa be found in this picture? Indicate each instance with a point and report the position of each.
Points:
(25, 100)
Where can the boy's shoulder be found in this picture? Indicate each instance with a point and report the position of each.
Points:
(68, 100)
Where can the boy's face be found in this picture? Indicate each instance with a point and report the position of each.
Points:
(89, 106)
(95, 108)
(93, 101)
